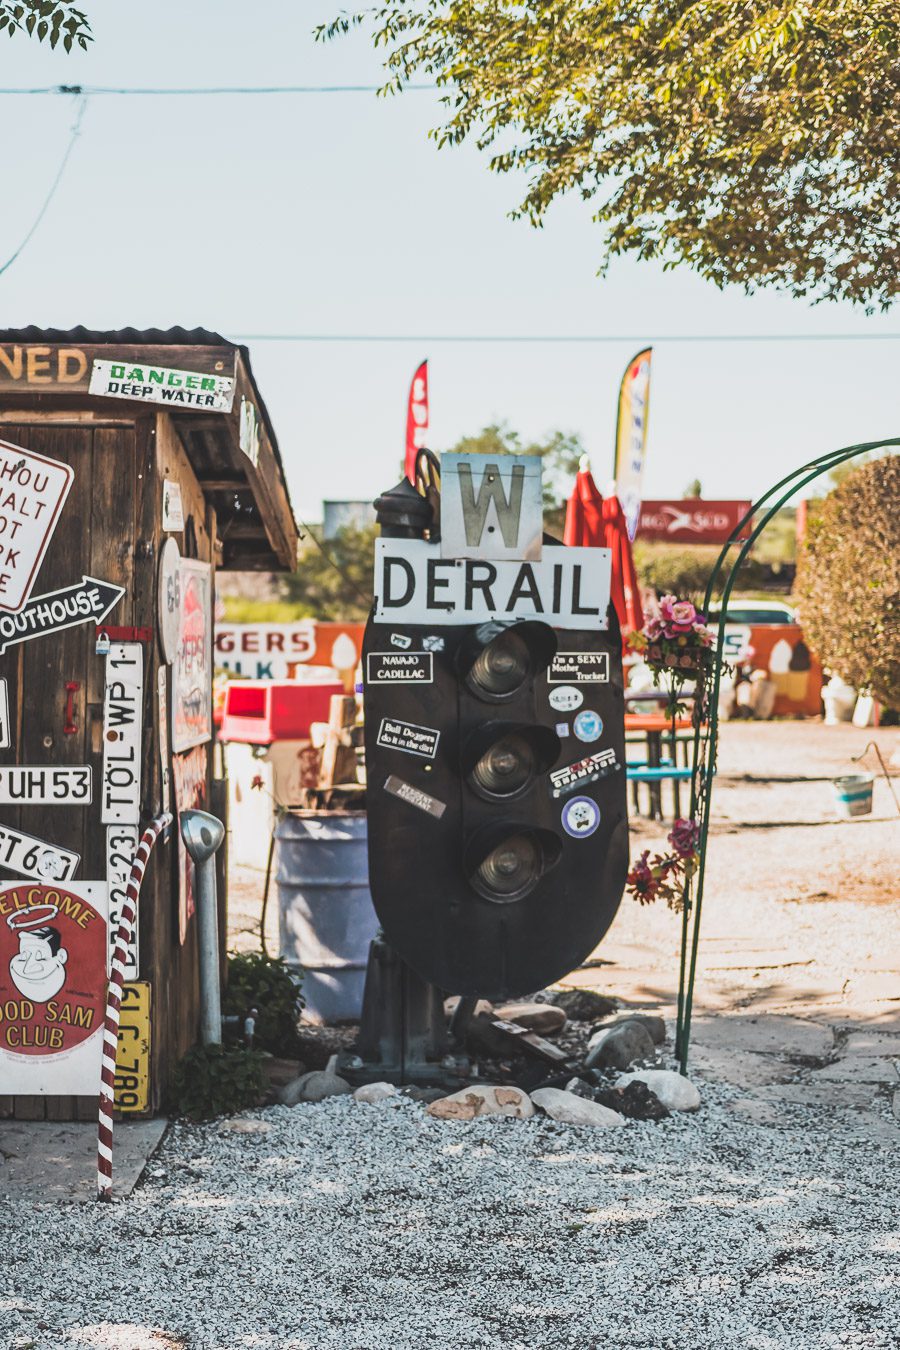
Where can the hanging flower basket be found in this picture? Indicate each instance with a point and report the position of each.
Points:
(676, 644)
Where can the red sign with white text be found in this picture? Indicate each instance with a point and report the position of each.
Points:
(693, 521)
(416, 419)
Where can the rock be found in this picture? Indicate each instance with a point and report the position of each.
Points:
(583, 1005)
(370, 1093)
(570, 1109)
(314, 1087)
(765, 1033)
(674, 1091)
(654, 1026)
(620, 1047)
(580, 1088)
(244, 1125)
(543, 1018)
(423, 1094)
(635, 1101)
(482, 1100)
(482, 1006)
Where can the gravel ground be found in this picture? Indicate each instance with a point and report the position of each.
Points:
(351, 1227)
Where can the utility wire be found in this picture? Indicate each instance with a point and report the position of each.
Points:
(226, 89)
(565, 337)
(56, 182)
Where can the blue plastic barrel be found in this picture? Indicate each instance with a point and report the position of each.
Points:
(325, 915)
(853, 794)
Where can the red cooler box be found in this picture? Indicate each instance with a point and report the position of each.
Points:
(259, 712)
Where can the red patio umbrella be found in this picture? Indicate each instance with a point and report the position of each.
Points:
(593, 521)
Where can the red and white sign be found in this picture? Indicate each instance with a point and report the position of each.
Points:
(32, 492)
(416, 419)
(189, 783)
(276, 651)
(693, 521)
(52, 986)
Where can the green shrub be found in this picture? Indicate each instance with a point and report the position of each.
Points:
(215, 1080)
(265, 983)
(848, 583)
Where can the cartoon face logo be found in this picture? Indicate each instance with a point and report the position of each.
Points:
(38, 968)
(580, 817)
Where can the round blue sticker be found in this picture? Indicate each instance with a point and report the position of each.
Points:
(580, 817)
(588, 726)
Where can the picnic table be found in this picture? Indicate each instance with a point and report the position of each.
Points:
(653, 728)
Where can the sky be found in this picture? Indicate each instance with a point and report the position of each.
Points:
(335, 214)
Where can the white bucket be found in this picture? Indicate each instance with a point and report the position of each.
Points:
(853, 794)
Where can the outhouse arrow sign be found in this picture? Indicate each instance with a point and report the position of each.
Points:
(89, 601)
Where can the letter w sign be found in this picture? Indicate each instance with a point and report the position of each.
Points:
(491, 507)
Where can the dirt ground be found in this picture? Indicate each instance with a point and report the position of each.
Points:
(801, 912)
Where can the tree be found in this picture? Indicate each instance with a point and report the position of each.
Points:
(848, 580)
(693, 489)
(334, 578)
(53, 20)
(754, 140)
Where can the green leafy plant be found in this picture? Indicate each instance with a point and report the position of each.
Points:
(265, 983)
(217, 1080)
(53, 20)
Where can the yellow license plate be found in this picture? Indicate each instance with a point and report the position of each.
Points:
(132, 1081)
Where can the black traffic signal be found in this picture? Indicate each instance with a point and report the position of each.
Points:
(498, 832)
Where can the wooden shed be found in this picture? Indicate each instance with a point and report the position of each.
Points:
(112, 444)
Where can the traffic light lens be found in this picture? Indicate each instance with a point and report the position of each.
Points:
(506, 767)
(511, 869)
(501, 666)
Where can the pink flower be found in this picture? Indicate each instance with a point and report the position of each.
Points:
(643, 885)
(258, 782)
(685, 838)
(678, 616)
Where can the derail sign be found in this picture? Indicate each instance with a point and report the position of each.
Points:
(568, 588)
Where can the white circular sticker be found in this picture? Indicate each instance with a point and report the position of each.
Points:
(566, 698)
(580, 817)
(588, 725)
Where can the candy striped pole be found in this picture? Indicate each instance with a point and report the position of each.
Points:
(114, 1003)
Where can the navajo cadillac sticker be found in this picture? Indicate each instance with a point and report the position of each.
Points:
(160, 384)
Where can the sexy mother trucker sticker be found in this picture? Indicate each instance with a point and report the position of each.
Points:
(52, 987)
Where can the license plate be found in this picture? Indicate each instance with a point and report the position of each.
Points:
(30, 857)
(131, 1085)
(45, 786)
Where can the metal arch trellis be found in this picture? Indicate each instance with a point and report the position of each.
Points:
(705, 744)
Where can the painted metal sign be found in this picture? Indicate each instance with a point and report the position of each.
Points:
(5, 729)
(491, 507)
(694, 521)
(120, 798)
(30, 857)
(568, 588)
(88, 601)
(121, 846)
(132, 1079)
(32, 492)
(189, 782)
(162, 709)
(52, 987)
(43, 785)
(180, 389)
(172, 506)
(168, 598)
(248, 434)
(192, 664)
(277, 651)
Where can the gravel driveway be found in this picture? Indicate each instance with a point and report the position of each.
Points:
(346, 1227)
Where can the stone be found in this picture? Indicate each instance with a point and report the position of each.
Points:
(370, 1093)
(857, 1069)
(895, 1104)
(423, 1094)
(744, 1068)
(654, 1026)
(766, 1033)
(836, 1096)
(749, 1108)
(544, 1018)
(243, 1125)
(314, 1087)
(579, 1087)
(635, 1101)
(483, 1100)
(583, 1005)
(570, 1109)
(674, 1091)
(873, 1043)
(620, 1047)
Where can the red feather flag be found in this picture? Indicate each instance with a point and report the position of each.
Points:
(416, 419)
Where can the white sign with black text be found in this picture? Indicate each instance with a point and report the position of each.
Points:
(5, 737)
(568, 588)
(29, 857)
(120, 801)
(42, 785)
(32, 492)
(121, 846)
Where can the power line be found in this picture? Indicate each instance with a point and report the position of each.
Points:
(225, 89)
(55, 184)
(565, 337)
